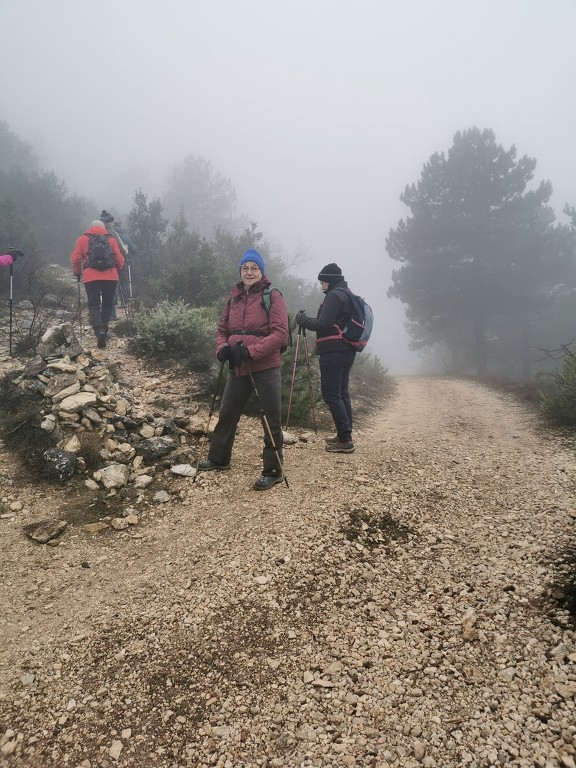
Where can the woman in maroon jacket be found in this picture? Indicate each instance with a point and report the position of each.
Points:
(249, 335)
(99, 284)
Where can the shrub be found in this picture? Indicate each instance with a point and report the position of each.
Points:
(50, 297)
(559, 404)
(177, 331)
(369, 373)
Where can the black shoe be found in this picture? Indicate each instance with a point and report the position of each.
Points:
(331, 440)
(339, 447)
(267, 481)
(206, 466)
(101, 344)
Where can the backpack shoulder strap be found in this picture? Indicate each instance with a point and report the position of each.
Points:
(267, 303)
(346, 295)
(266, 299)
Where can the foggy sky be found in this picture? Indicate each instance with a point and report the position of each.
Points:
(320, 111)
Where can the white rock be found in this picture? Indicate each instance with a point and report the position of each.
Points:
(77, 402)
(116, 749)
(143, 481)
(186, 470)
(114, 475)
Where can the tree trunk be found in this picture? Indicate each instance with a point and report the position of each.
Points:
(526, 361)
(480, 347)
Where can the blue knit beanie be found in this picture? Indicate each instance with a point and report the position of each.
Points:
(252, 255)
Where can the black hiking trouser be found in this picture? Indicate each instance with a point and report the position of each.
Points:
(334, 377)
(100, 294)
(234, 400)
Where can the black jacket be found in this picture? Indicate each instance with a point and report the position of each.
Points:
(334, 310)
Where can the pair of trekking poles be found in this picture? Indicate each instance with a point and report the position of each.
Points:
(302, 335)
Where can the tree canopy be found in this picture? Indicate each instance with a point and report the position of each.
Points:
(207, 199)
(481, 253)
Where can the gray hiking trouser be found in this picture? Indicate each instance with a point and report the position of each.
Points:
(236, 395)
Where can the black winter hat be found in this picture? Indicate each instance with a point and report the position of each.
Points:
(106, 217)
(330, 273)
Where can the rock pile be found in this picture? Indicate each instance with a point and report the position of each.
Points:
(94, 420)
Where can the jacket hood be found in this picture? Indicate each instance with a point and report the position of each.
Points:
(96, 231)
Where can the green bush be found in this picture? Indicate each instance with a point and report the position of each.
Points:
(559, 404)
(177, 331)
(368, 372)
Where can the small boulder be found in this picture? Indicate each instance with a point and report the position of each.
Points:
(155, 447)
(59, 464)
(44, 530)
(58, 341)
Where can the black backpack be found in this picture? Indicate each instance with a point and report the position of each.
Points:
(100, 255)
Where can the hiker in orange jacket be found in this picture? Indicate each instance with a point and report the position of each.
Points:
(99, 273)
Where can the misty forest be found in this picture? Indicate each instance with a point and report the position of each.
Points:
(486, 273)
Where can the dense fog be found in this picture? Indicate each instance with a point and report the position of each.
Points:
(319, 112)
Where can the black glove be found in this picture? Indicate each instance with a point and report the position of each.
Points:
(78, 278)
(224, 353)
(301, 317)
(15, 254)
(243, 352)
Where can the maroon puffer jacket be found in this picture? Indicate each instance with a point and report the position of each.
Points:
(244, 312)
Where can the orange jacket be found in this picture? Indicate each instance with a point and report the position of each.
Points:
(80, 254)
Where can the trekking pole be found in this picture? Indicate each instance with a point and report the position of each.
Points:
(293, 375)
(265, 423)
(129, 281)
(210, 412)
(310, 388)
(10, 305)
(78, 281)
(124, 304)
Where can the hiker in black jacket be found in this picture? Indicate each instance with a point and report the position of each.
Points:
(336, 356)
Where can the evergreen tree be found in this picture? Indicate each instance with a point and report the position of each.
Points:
(207, 198)
(479, 252)
(147, 227)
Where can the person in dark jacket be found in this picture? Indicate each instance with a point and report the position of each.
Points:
(128, 250)
(250, 339)
(99, 284)
(336, 356)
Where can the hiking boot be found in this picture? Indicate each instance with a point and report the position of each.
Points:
(331, 440)
(267, 481)
(101, 343)
(339, 447)
(207, 466)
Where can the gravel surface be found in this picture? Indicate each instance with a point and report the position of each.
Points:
(387, 609)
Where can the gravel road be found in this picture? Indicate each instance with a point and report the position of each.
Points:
(388, 608)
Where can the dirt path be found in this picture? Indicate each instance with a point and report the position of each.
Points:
(384, 610)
